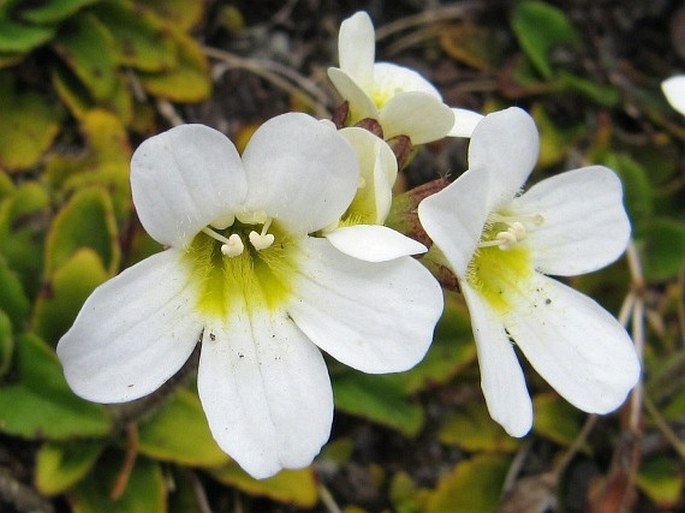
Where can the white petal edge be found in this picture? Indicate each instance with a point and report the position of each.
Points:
(506, 143)
(373, 243)
(183, 179)
(418, 115)
(374, 317)
(265, 390)
(389, 79)
(574, 344)
(361, 105)
(133, 332)
(454, 218)
(301, 172)
(585, 226)
(378, 169)
(465, 122)
(357, 49)
(674, 91)
(502, 378)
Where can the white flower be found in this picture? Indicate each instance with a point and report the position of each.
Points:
(674, 90)
(403, 102)
(501, 244)
(246, 273)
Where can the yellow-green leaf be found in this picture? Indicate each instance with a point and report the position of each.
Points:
(28, 124)
(87, 220)
(179, 432)
(297, 487)
(20, 38)
(661, 479)
(61, 465)
(189, 80)
(146, 490)
(471, 428)
(40, 405)
(13, 301)
(6, 342)
(556, 419)
(87, 47)
(140, 38)
(471, 486)
(51, 12)
(181, 14)
(61, 300)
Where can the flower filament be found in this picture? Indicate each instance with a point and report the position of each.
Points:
(508, 231)
(233, 245)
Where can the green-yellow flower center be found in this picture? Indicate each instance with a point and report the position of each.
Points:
(248, 260)
(501, 263)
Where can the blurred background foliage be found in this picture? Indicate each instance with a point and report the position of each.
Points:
(82, 82)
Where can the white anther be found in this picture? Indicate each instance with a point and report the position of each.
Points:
(261, 241)
(506, 240)
(234, 246)
(223, 222)
(518, 230)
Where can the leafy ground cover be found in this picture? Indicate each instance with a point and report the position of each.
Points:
(83, 82)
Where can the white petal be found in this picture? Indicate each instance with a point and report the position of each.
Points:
(506, 143)
(300, 172)
(454, 218)
(357, 49)
(183, 179)
(501, 376)
(574, 344)
(373, 243)
(375, 317)
(584, 225)
(133, 333)
(674, 90)
(361, 105)
(378, 168)
(465, 122)
(418, 115)
(265, 390)
(390, 79)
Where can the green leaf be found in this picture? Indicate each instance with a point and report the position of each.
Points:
(181, 14)
(40, 405)
(141, 40)
(556, 419)
(29, 124)
(540, 28)
(297, 487)
(23, 216)
(13, 301)
(189, 80)
(639, 197)
(179, 432)
(602, 94)
(146, 490)
(19, 38)
(451, 351)
(53, 11)
(86, 221)
(661, 479)
(87, 47)
(378, 398)
(59, 466)
(472, 486)
(64, 295)
(472, 429)
(6, 342)
(555, 142)
(663, 246)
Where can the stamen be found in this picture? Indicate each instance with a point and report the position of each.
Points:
(234, 246)
(506, 240)
(261, 241)
(214, 235)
